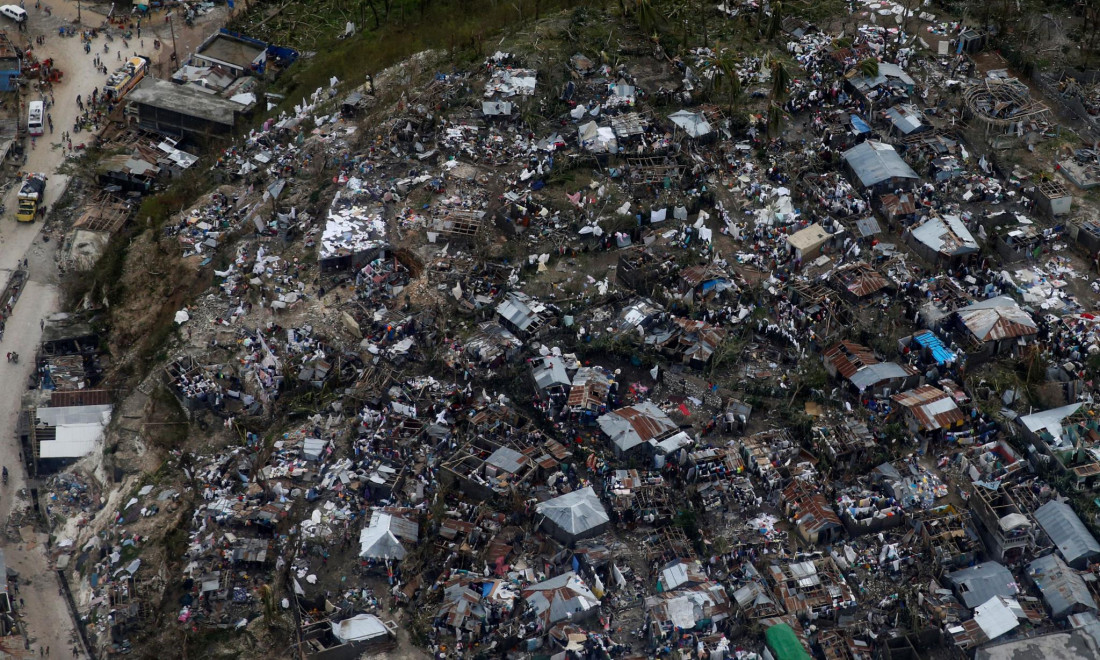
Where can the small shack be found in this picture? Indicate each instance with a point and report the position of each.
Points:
(574, 516)
(878, 167)
(807, 243)
(1052, 198)
(942, 240)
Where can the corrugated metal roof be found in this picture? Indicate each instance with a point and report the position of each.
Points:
(517, 310)
(905, 117)
(694, 124)
(589, 390)
(815, 515)
(860, 279)
(875, 162)
(849, 357)
(886, 72)
(1062, 587)
(631, 426)
(550, 372)
(80, 398)
(932, 407)
(947, 236)
(876, 373)
(903, 204)
(1049, 420)
(977, 584)
(576, 513)
(507, 459)
(868, 226)
(997, 318)
(1069, 534)
(560, 597)
(997, 616)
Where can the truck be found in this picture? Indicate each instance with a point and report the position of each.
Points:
(30, 197)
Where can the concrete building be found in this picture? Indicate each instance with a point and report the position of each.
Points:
(180, 111)
(237, 53)
(1008, 533)
(11, 64)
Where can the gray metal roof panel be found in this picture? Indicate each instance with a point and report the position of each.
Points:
(1065, 529)
(873, 374)
(977, 584)
(1062, 587)
(577, 512)
(507, 459)
(875, 162)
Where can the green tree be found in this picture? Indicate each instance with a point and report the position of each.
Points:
(868, 68)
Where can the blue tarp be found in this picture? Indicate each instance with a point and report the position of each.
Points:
(933, 343)
(860, 125)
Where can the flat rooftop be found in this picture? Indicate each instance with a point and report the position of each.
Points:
(184, 100)
(231, 50)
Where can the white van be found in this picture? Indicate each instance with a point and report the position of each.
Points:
(35, 110)
(14, 12)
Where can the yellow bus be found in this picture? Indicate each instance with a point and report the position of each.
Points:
(125, 78)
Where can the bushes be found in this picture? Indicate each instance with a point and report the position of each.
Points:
(178, 196)
(460, 28)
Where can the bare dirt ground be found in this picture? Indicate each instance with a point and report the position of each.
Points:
(44, 611)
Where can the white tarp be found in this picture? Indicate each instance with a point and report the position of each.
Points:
(359, 627)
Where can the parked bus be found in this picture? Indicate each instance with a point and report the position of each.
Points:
(36, 114)
(126, 78)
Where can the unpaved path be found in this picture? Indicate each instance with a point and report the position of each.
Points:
(44, 611)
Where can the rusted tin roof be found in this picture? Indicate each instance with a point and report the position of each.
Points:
(932, 407)
(848, 357)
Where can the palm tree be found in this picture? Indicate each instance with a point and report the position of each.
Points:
(775, 119)
(267, 598)
(781, 81)
(868, 68)
(775, 22)
(728, 78)
(648, 17)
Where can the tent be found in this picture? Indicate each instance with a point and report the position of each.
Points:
(378, 540)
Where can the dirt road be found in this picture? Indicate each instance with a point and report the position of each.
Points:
(44, 611)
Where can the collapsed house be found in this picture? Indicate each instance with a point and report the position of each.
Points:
(637, 428)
